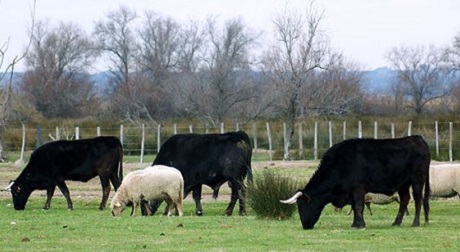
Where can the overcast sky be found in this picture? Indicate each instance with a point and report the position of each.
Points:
(364, 30)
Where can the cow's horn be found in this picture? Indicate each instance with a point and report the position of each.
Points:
(8, 188)
(293, 199)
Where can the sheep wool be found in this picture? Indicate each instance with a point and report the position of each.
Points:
(158, 182)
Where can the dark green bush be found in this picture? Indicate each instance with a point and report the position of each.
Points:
(265, 192)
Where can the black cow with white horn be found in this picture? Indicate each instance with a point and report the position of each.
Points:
(352, 168)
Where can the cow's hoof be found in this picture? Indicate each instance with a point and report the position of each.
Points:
(199, 213)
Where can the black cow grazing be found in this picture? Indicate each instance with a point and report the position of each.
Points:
(350, 169)
(210, 159)
(79, 160)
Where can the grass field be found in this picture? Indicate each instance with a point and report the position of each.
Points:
(88, 229)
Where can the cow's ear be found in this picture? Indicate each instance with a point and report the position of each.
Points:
(118, 204)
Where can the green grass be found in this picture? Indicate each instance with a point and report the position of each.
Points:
(88, 229)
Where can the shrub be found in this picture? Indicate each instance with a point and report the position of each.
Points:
(265, 192)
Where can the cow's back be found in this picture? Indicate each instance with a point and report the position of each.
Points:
(207, 158)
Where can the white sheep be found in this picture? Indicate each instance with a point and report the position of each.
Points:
(379, 199)
(158, 182)
(445, 180)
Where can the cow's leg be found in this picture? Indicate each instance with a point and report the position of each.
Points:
(49, 195)
(417, 194)
(197, 198)
(105, 183)
(147, 208)
(234, 197)
(404, 198)
(65, 191)
(153, 207)
(358, 209)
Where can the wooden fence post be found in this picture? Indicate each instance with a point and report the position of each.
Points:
(315, 142)
(158, 137)
(221, 128)
(121, 134)
(451, 158)
(142, 143)
(98, 131)
(77, 133)
(23, 146)
(376, 129)
(409, 128)
(436, 130)
(330, 133)
(360, 129)
(393, 135)
(254, 133)
(270, 154)
(300, 140)
(344, 130)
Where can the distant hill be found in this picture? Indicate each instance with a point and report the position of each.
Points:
(378, 81)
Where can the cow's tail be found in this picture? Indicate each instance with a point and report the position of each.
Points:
(120, 165)
(426, 197)
(249, 176)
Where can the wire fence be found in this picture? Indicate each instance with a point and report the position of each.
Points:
(310, 140)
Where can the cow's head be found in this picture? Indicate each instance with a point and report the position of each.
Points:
(309, 209)
(118, 207)
(20, 194)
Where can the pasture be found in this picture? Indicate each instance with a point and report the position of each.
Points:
(88, 229)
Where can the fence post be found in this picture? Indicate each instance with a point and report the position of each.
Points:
(409, 128)
(300, 140)
(23, 146)
(344, 130)
(270, 155)
(39, 137)
(360, 129)
(77, 133)
(237, 127)
(142, 143)
(451, 158)
(121, 134)
(254, 132)
(315, 142)
(175, 129)
(98, 131)
(436, 132)
(58, 133)
(392, 130)
(158, 137)
(376, 129)
(221, 128)
(330, 134)
(190, 128)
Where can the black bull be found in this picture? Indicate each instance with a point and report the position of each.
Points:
(79, 160)
(350, 169)
(212, 160)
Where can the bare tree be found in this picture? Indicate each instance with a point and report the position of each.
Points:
(422, 74)
(222, 83)
(337, 90)
(57, 80)
(7, 70)
(116, 38)
(299, 49)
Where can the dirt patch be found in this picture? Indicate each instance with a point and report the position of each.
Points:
(92, 189)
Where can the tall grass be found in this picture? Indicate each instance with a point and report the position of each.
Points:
(266, 191)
